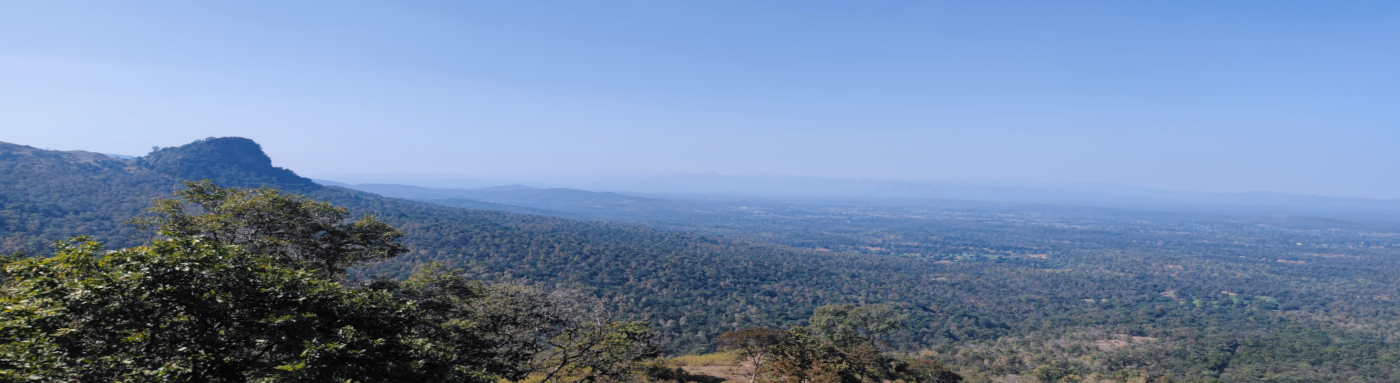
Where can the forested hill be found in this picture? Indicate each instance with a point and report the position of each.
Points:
(693, 287)
(230, 161)
(49, 195)
(1132, 299)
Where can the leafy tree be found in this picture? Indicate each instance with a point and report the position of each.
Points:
(187, 309)
(846, 352)
(799, 357)
(530, 332)
(560, 335)
(243, 285)
(849, 326)
(294, 229)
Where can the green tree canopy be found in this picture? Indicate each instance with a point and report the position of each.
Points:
(850, 325)
(198, 310)
(294, 229)
(840, 347)
(245, 285)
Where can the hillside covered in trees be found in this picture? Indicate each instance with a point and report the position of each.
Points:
(989, 292)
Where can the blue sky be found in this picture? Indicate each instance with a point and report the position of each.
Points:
(1212, 96)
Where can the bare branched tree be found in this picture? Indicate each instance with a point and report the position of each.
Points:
(752, 344)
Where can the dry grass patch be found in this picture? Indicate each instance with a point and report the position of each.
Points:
(727, 358)
(720, 365)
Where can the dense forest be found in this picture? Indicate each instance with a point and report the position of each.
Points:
(989, 290)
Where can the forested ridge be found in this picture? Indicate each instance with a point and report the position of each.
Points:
(986, 296)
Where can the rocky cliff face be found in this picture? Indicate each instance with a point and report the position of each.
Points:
(229, 161)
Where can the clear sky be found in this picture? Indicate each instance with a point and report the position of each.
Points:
(1210, 95)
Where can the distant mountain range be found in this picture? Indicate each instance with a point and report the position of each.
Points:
(701, 186)
(558, 202)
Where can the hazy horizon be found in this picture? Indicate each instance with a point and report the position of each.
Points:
(1293, 97)
(705, 185)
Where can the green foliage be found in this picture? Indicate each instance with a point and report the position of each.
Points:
(799, 356)
(844, 352)
(851, 325)
(198, 310)
(246, 288)
(525, 332)
(47, 196)
(992, 290)
(297, 230)
(1008, 289)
